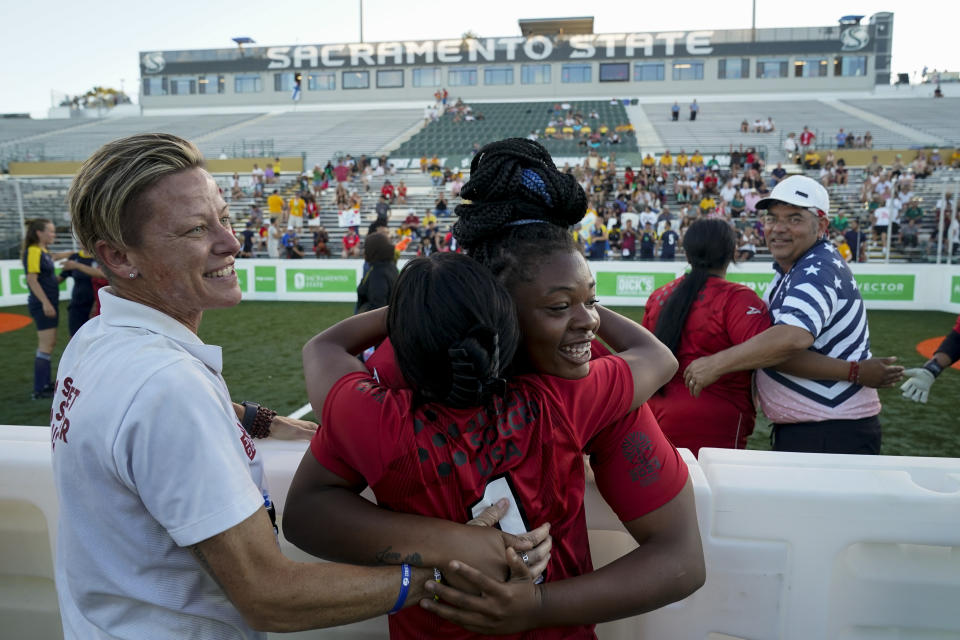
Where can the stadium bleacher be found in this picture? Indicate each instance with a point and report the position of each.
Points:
(445, 136)
(321, 136)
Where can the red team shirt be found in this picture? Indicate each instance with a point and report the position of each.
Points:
(437, 461)
(724, 314)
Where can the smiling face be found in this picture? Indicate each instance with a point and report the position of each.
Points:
(557, 315)
(185, 259)
(47, 235)
(791, 231)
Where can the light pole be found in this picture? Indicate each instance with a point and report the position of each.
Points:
(361, 20)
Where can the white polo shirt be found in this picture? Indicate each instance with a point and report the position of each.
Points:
(148, 459)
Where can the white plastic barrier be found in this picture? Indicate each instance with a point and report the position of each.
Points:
(798, 546)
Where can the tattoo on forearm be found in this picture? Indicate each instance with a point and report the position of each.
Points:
(202, 559)
(387, 556)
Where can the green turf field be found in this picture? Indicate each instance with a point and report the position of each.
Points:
(261, 350)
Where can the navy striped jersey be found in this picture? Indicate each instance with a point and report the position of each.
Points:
(820, 294)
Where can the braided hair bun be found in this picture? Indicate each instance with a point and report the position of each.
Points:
(515, 180)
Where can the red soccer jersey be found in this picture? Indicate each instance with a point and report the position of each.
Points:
(441, 462)
(633, 447)
(724, 314)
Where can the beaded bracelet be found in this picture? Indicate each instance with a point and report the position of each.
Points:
(854, 374)
(404, 588)
(257, 419)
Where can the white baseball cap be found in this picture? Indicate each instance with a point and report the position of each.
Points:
(800, 191)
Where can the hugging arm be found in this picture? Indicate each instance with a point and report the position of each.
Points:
(651, 362)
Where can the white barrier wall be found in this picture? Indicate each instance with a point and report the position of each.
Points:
(798, 546)
(893, 286)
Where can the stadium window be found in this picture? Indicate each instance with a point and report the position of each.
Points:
(498, 75)
(688, 70)
(810, 67)
(772, 68)
(154, 86)
(647, 71)
(356, 80)
(283, 82)
(321, 81)
(209, 84)
(247, 84)
(850, 66)
(733, 68)
(182, 85)
(535, 74)
(427, 77)
(614, 71)
(462, 77)
(390, 79)
(576, 73)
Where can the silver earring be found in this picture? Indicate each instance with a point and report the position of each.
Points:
(133, 275)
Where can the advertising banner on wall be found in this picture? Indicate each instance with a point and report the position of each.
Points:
(321, 280)
(629, 284)
(886, 286)
(265, 278)
(955, 289)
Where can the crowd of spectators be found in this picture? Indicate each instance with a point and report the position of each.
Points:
(567, 123)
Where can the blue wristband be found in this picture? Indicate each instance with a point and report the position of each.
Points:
(404, 588)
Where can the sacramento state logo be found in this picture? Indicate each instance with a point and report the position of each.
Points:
(854, 38)
(153, 62)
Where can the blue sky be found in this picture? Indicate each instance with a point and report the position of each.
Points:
(69, 47)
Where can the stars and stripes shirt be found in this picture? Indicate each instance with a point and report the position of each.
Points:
(819, 294)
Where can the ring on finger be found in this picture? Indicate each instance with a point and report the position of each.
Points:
(525, 558)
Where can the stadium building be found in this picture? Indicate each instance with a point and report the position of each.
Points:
(552, 58)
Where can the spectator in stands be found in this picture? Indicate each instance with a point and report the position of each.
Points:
(246, 249)
(351, 244)
(811, 159)
(768, 126)
(236, 191)
(744, 126)
(675, 112)
(909, 234)
(628, 241)
(257, 179)
(275, 205)
(747, 247)
(388, 191)
(666, 161)
(737, 204)
(294, 248)
(777, 175)
(274, 237)
(790, 147)
(840, 173)
(696, 159)
(269, 176)
(341, 172)
(840, 243)
(807, 139)
(841, 139)
(382, 209)
(669, 240)
(321, 242)
(402, 192)
(867, 140)
(341, 198)
(840, 222)
(412, 223)
(648, 161)
(440, 206)
(648, 241)
(598, 240)
(436, 176)
(296, 207)
(809, 414)
(707, 203)
(694, 110)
